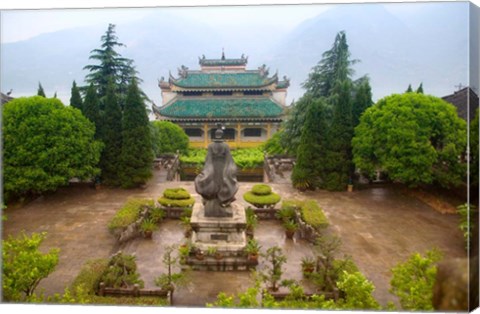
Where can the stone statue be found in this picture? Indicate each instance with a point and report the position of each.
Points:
(217, 183)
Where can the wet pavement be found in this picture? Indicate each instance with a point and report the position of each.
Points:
(379, 228)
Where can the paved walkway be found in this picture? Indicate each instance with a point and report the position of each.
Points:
(379, 227)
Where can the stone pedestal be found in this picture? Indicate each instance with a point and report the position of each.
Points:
(225, 234)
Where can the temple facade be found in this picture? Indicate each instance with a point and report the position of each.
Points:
(250, 104)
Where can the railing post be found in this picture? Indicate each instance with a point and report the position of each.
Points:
(136, 290)
(101, 290)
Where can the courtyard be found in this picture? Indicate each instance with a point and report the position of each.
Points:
(379, 227)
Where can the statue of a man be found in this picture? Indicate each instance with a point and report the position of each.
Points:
(217, 183)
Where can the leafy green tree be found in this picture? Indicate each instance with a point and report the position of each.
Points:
(168, 138)
(273, 272)
(112, 66)
(310, 153)
(358, 292)
(137, 153)
(335, 65)
(415, 138)
(40, 91)
(45, 145)
(413, 281)
(474, 150)
(273, 146)
(24, 265)
(110, 161)
(290, 138)
(76, 99)
(91, 109)
(420, 89)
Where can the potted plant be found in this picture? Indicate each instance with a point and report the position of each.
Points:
(211, 251)
(252, 249)
(286, 213)
(308, 265)
(184, 252)
(290, 228)
(185, 221)
(147, 227)
(198, 253)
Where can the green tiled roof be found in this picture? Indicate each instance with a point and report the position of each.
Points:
(226, 107)
(220, 62)
(224, 80)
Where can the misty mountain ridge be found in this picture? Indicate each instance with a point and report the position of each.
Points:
(429, 46)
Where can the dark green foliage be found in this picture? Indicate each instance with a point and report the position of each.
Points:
(474, 153)
(273, 146)
(110, 161)
(121, 272)
(45, 145)
(362, 99)
(413, 281)
(90, 276)
(414, 138)
(261, 195)
(420, 89)
(409, 89)
(137, 154)
(310, 153)
(40, 91)
(75, 98)
(91, 109)
(129, 213)
(24, 265)
(168, 137)
(290, 137)
(335, 65)
(272, 274)
(112, 66)
(467, 222)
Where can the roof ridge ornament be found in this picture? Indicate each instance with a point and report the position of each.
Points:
(223, 54)
(182, 71)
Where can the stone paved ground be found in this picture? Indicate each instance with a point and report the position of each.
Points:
(379, 227)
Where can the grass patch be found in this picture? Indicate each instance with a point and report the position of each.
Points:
(90, 275)
(176, 194)
(129, 213)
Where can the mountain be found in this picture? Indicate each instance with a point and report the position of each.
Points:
(396, 47)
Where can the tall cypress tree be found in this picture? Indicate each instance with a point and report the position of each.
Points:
(308, 170)
(420, 89)
(362, 99)
(409, 89)
(110, 161)
(75, 98)
(40, 91)
(137, 154)
(91, 109)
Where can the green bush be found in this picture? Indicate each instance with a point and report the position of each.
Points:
(90, 276)
(167, 202)
(261, 200)
(129, 213)
(313, 215)
(121, 272)
(244, 158)
(176, 194)
(261, 189)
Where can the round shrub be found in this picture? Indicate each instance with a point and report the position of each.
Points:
(261, 189)
(176, 194)
(168, 202)
(261, 200)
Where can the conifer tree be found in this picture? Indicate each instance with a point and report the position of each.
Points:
(55, 94)
(40, 91)
(362, 99)
(110, 161)
(75, 98)
(420, 89)
(137, 153)
(409, 89)
(91, 109)
(310, 155)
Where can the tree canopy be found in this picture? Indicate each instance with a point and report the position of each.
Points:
(76, 98)
(168, 138)
(45, 145)
(41, 91)
(414, 138)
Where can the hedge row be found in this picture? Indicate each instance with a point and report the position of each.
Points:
(313, 215)
(129, 213)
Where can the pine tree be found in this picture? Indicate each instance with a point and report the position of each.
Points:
(91, 109)
(110, 161)
(338, 165)
(55, 94)
(76, 99)
(112, 67)
(137, 153)
(308, 169)
(420, 89)
(362, 99)
(335, 65)
(40, 91)
(409, 89)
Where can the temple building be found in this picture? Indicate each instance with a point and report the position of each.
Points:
(250, 104)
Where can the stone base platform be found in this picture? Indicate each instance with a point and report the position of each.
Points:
(226, 235)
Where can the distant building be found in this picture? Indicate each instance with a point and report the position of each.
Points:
(249, 103)
(4, 98)
(465, 100)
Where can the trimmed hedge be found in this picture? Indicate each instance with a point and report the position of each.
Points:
(167, 202)
(176, 194)
(313, 215)
(261, 200)
(261, 189)
(129, 213)
(89, 276)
